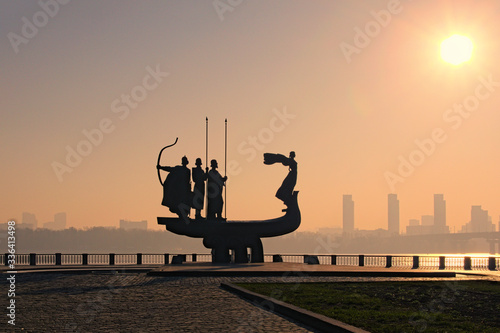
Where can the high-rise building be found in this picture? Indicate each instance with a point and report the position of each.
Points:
(427, 226)
(424, 228)
(480, 221)
(393, 214)
(347, 213)
(440, 214)
(414, 222)
(59, 222)
(414, 227)
(29, 221)
(427, 220)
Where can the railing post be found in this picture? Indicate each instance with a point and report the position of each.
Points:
(467, 263)
(6, 259)
(277, 258)
(139, 258)
(442, 262)
(388, 261)
(416, 261)
(193, 257)
(361, 260)
(85, 259)
(334, 259)
(492, 265)
(311, 259)
(32, 259)
(111, 258)
(167, 258)
(58, 259)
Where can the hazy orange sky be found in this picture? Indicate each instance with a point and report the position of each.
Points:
(353, 87)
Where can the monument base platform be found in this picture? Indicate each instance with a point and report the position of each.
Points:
(291, 270)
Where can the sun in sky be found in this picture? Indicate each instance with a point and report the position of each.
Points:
(456, 49)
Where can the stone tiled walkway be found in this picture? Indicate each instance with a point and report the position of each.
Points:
(135, 302)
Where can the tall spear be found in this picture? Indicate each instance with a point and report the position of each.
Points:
(206, 164)
(225, 168)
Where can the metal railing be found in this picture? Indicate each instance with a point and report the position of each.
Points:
(428, 262)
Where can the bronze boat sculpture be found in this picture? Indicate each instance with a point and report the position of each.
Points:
(221, 235)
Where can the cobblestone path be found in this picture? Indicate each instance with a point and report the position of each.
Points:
(135, 302)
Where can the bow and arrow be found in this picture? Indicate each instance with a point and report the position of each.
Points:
(159, 157)
(206, 157)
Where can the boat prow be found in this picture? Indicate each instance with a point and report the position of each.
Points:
(202, 228)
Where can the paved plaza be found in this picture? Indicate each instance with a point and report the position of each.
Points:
(119, 301)
(135, 302)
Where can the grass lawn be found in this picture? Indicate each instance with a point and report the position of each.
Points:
(427, 306)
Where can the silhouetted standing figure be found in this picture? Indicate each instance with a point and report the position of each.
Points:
(215, 186)
(199, 178)
(177, 188)
(285, 191)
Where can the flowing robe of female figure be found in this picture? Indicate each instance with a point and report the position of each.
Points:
(285, 191)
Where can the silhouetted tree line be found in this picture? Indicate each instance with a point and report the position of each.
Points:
(320, 243)
(105, 240)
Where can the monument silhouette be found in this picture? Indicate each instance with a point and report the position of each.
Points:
(215, 185)
(177, 188)
(199, 178)
(218, 234)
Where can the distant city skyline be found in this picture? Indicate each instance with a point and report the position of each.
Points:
(428, 224)
(30, 221)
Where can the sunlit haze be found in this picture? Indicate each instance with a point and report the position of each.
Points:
(90, 93)
(457, 49)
